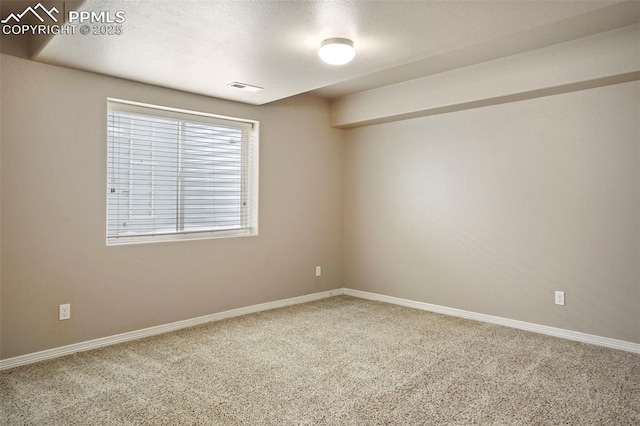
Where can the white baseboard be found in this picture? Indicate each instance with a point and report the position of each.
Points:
(542, 329)
(151, 331)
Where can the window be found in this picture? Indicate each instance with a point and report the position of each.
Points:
(174, 174)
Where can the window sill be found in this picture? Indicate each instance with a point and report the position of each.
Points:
(188, 236)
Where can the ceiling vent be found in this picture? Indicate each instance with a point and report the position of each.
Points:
(244, 86)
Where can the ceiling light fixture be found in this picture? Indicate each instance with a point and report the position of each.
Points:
(337, 51)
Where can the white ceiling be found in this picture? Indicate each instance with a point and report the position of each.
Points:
(201, 46)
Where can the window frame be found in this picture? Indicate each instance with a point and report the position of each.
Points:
(249, 163)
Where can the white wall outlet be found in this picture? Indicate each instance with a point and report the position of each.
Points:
(65, 311)
(560, 298)
(318, 271)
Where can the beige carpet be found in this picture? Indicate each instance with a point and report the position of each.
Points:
(338, 361)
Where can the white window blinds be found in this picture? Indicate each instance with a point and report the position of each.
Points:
(176, 175)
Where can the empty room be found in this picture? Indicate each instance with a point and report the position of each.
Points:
(320, 212)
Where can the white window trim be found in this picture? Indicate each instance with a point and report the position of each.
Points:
(252, 128)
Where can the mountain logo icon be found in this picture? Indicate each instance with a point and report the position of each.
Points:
(34, 11)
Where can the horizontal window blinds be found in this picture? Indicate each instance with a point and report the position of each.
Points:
(172, 173)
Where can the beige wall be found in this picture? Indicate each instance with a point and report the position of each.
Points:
(490, 210)
(53, 215)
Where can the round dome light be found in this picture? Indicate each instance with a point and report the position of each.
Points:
(337, 51)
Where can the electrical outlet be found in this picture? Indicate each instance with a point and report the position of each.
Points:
(560, 298)
(65, 311)
(318, 271)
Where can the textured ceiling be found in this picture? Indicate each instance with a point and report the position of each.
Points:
(201, 46)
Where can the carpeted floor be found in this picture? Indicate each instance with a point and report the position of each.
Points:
(338, 361)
